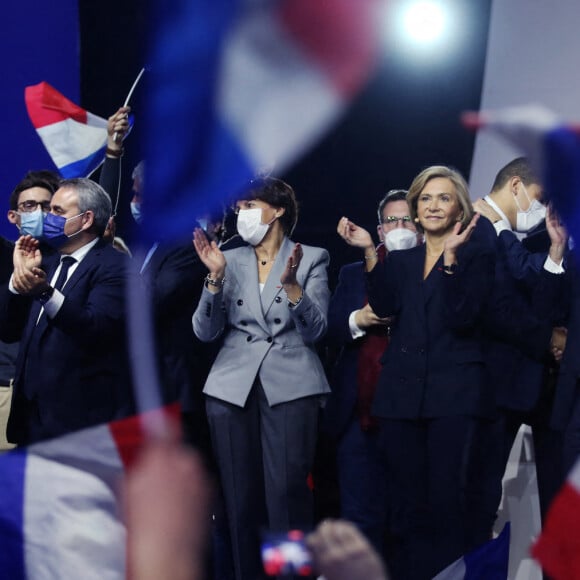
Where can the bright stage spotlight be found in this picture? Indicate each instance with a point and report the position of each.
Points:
(423, 29)
(424, 22)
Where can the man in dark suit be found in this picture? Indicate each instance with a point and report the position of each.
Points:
(520, 366)
(68, 310)
(362, 337)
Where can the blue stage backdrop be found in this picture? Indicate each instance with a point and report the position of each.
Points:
(39, 41)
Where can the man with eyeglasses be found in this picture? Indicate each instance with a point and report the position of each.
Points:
(362, 338)
(30, 201)
(396, 228)
(28, 204)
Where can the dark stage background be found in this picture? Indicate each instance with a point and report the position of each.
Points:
(406, 119)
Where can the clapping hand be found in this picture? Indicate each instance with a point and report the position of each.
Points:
(28, 277)
(354, 235)
(209, 253)
(558, 235)
(288, 278)
(457, 238)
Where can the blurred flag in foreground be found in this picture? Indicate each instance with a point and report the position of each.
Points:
(552, 146)
(558, 547)
(487, 562)
(74, 138)
(237, 86)
(60, 513)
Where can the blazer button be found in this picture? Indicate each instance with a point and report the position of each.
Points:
(244, 323)
(278, 299)
(277, 320)
(269, 339)
(240, 302)
(248, 338)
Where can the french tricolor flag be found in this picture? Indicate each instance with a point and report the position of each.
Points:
(558, 547)
(489, 561)
(239, 86)
(75, 139)
(60, 509)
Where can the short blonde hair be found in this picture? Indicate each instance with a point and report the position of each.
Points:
(433, 172)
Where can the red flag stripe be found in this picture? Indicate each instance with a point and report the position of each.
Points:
(47, 106)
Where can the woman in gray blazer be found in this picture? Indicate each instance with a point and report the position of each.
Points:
(268, 301)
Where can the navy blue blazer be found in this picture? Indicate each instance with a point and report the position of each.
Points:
(434, 365)
(73, 370)
(350, 295)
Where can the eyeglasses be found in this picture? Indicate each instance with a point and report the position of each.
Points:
(393, 219)
(30, 205)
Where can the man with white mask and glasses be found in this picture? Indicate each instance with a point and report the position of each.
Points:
(361, 337)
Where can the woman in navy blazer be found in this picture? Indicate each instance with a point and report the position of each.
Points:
(431, 391)
(268, 301)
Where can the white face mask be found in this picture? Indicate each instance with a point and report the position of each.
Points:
(400, 239)
(526, 220)
(136, 211)
(250, 226)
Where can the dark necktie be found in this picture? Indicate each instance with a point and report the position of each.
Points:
(65, 263)
(32, 349)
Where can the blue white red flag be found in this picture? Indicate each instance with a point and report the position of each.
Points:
(558, 547)
(60, 512)
(75, 139)
(237, 86)
(487, 562)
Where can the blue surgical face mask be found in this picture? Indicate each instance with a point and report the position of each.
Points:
(31, 223)
(136, 211)
(54, 225)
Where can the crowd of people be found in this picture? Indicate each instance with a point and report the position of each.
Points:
(456, 329)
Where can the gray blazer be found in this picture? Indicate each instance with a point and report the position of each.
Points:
(263, 336)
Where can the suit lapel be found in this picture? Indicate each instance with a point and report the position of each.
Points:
(83, 267)
(249, 279)
(273, 287)
(432, 281)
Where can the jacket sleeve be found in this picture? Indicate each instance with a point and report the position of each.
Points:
(311, 314)
(110, 176)
(209, 318)
(522, 264)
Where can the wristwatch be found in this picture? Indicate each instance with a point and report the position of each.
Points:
(450, 269)
(46, 295)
